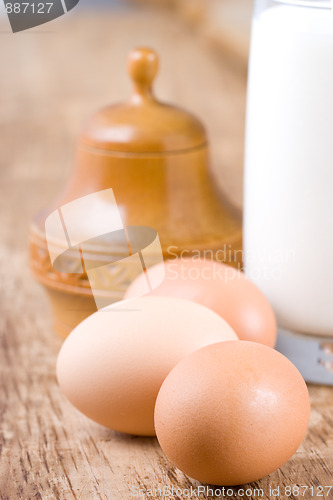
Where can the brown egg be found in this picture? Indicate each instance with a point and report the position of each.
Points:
(232, 412)
(221, 288)
(112, 365)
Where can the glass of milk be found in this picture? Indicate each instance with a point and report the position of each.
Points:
(288, 204)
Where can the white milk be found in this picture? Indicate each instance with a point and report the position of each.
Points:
(288, 226)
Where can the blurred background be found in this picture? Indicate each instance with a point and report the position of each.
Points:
(56, 75)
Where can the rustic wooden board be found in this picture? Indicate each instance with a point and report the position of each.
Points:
(50, 81)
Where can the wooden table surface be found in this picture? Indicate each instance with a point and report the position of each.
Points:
(50, 81)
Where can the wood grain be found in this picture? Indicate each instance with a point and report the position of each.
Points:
(50, 81)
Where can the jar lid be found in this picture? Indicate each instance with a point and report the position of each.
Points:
(143, 124)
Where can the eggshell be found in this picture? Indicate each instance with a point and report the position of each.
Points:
(113, 363)
(219, 287)
(232, 412)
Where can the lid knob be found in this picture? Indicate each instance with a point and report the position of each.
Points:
(142, 67)
(143, 124)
